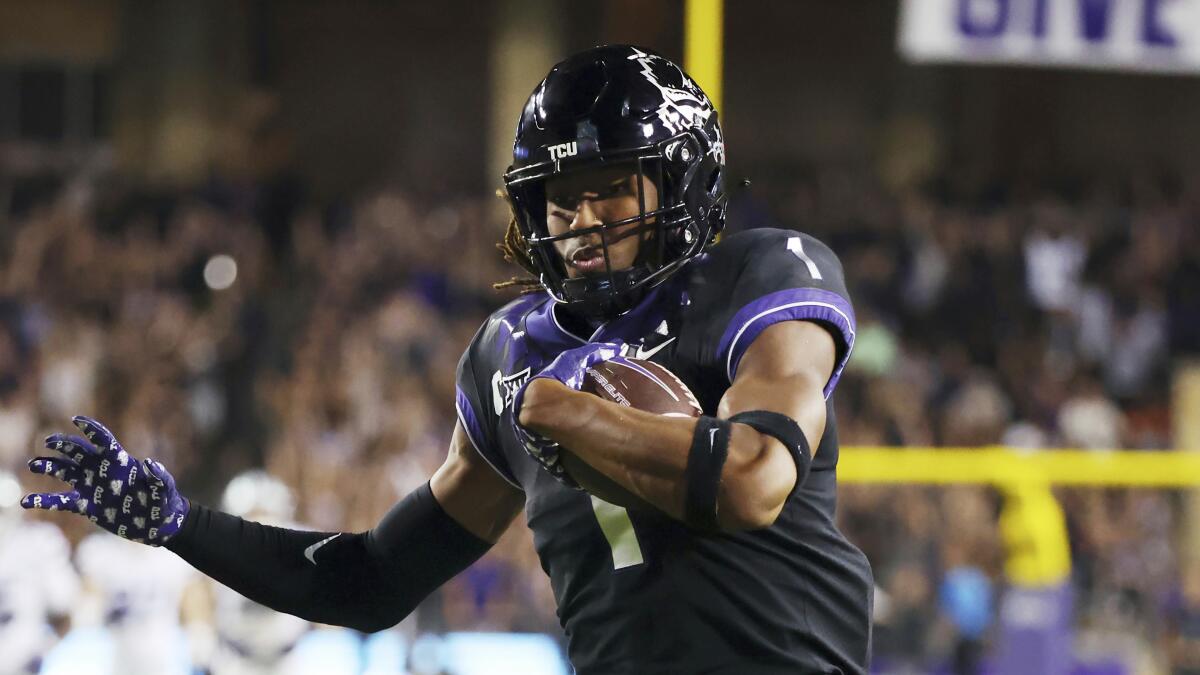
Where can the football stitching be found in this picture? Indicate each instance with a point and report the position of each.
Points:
(653, 378)
(687, 390)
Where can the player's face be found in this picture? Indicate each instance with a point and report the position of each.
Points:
(589, 198)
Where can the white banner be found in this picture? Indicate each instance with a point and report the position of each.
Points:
(1139, 35)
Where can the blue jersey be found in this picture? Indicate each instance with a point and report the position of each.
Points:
(639, 592)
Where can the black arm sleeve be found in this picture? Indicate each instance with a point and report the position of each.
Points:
(367, 581)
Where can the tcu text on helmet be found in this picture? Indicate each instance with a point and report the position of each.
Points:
(569, 149)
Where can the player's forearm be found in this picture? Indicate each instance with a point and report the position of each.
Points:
(647, 454)
(263, 563)
(367, 581)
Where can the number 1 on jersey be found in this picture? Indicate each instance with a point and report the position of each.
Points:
(618, 530)
(795, 246)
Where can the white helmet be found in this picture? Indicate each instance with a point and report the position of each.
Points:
(258, 495)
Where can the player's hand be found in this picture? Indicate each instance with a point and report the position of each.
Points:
(133, 500)
(568, 368)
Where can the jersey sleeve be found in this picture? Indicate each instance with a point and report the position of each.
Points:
(786, 276)
(475, 406)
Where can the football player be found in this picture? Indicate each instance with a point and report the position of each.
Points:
(37, 583)
(249, 639)
(736, 566)
(138, 591)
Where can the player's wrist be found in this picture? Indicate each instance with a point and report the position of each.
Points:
(193, 514)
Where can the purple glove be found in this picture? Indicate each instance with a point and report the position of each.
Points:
(569, 368)
(133, 500)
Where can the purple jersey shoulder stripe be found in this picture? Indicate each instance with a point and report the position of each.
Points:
(792, 304)
(466, 415)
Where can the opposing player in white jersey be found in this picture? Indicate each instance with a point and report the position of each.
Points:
(37, 583)
(249, 639)
(139, 605)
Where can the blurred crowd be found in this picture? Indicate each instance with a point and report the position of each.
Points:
(245, 324)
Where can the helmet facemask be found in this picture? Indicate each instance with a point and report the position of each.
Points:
(671, 232)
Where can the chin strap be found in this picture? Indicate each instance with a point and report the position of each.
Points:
(601, 309)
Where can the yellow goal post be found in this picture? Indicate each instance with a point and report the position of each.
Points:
(1001, 465)
(703, 46)
(1032, 521)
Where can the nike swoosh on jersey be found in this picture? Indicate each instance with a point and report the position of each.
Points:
(643, 353)
(311, 551)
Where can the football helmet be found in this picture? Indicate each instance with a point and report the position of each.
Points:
(257, 495)
(609, 105)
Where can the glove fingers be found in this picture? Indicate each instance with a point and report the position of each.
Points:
(52, 501)
(602, 351)
(61, 468)
(158, 473)
(72, 446)
(59, 461)
(609, 350)
(154, 470)
(97, 433)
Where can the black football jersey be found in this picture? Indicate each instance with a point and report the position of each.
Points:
(639, 592)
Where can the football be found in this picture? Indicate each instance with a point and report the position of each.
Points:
(635, 383)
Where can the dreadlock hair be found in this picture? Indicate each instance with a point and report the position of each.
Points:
(515, 250)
